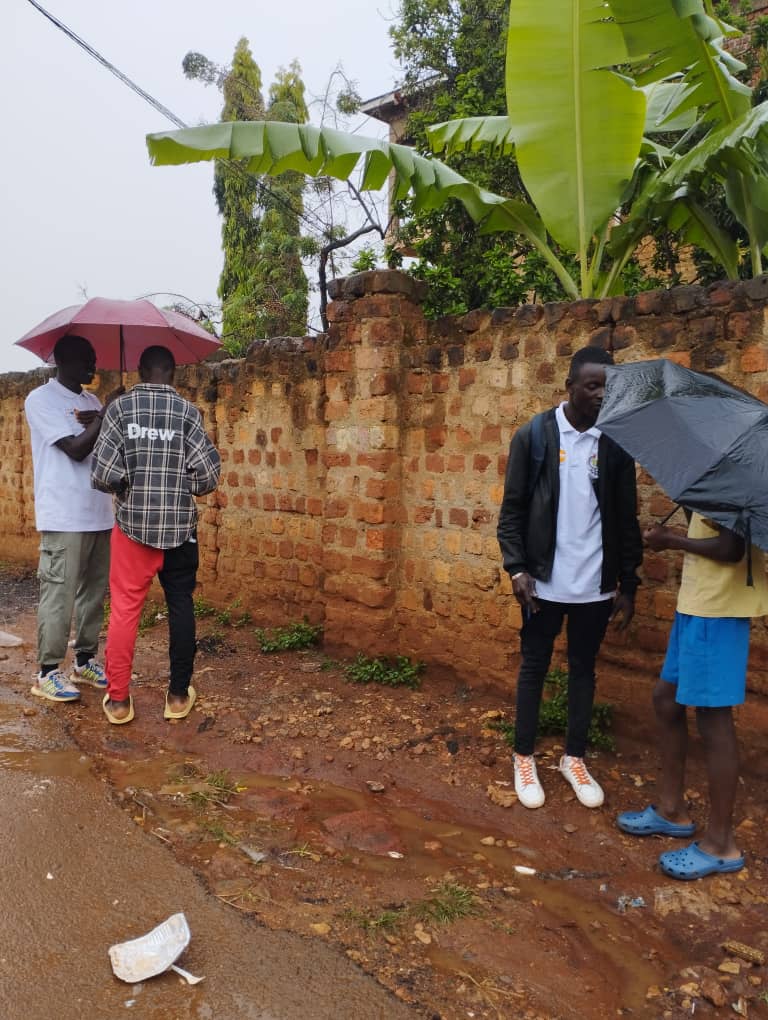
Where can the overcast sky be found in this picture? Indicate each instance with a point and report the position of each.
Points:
(81, 206)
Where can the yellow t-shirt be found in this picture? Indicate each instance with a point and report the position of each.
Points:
(712, 589)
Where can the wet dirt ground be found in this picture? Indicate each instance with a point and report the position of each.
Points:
(369, 821)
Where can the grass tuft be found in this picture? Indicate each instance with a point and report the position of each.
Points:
(398, 672)
(290, 638)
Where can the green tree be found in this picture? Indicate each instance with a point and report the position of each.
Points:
(591, 85)
(280, 284)
(263, 287)
(237, 194)
(452, 55)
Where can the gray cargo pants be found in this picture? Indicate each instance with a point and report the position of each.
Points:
(74, 573)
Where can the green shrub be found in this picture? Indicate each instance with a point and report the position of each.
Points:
(291, 638)
(553, 715)
(398, 672)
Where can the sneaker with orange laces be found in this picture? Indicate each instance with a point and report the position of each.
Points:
(527, 786)
(588, 791)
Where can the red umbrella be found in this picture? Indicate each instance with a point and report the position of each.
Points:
(119, 332)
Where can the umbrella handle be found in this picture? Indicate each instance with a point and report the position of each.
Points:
(670, 515)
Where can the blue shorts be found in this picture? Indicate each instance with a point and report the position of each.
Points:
(707, 660)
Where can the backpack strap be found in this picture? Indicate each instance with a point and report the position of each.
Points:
(537, 452)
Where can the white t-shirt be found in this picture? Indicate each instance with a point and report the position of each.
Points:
(578, 563)
(64, 499)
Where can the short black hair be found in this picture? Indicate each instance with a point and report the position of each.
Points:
(588, 356)
(157, 357)
(71, 348)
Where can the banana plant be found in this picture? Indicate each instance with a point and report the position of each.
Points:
(589, 82)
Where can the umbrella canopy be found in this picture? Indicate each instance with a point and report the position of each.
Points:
(705, 442)
(119, 332)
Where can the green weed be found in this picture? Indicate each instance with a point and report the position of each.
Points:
(398, 672)
(203, 609)
(387, 921)
(219, 789)
(225, 617)
(450, 902)
(219, 833)
(290, 638)
(553, 715)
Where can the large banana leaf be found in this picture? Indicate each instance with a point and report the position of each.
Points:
(665, 37)
(577, 124)
(471, 134)
(735, 155)
(663, 99)
(273, 147)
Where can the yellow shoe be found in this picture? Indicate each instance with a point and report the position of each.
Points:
(181, 713)
(113, 718)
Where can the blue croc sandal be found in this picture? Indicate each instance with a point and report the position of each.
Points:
(650, 823)
(692, 862)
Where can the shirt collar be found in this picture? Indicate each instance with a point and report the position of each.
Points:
(565, 426)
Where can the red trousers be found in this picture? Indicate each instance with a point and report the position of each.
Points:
(131, 571)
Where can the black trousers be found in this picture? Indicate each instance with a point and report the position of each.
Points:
(178, 578)
(587, 623)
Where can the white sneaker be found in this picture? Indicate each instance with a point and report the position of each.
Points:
(527, 786)
(589, 792)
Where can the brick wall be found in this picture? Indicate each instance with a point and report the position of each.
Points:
(362, 471)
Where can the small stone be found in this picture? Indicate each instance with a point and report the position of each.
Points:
(376, 787)
(321, 928)
(730, 967)
(488, 841)
(691, 988)
(433, 845)
(653, 992)
(346, 742)
(29, 711)
(713, 991)
(423, 936)
(500, 797)
(570, 828)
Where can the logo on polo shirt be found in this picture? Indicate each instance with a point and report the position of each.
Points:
(136, 431)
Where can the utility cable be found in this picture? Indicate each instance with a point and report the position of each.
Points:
(168, 114)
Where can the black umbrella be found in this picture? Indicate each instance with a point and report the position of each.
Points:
(705, 442)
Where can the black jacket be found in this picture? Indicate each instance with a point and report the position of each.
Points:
(528, 520)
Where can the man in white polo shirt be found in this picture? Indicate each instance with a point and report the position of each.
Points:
(571, 543)
(74, 522)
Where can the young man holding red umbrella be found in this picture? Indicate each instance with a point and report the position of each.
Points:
(74, 522)
(154, 455)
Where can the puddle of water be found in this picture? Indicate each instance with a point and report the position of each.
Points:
(578, 919)
(57, 764)
(16, 753)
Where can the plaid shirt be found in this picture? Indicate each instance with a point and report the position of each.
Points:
(154, 454)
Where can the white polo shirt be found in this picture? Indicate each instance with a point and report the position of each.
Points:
(64, 499)
(578, 563)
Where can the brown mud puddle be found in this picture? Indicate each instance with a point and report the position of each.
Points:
(362, 816)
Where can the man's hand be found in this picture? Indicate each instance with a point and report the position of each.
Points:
(524, 587)
(87, 417)
(659, 538)
(623, 610)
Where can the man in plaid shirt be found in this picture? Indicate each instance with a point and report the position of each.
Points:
(154, 455)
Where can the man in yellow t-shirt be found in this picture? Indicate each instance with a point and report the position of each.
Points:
(705, 667)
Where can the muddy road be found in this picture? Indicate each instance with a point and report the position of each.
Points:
(351, 851)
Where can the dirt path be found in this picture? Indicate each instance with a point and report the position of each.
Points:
(367, 819)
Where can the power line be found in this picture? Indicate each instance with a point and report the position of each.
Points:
(162, 109)
(109, 66)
